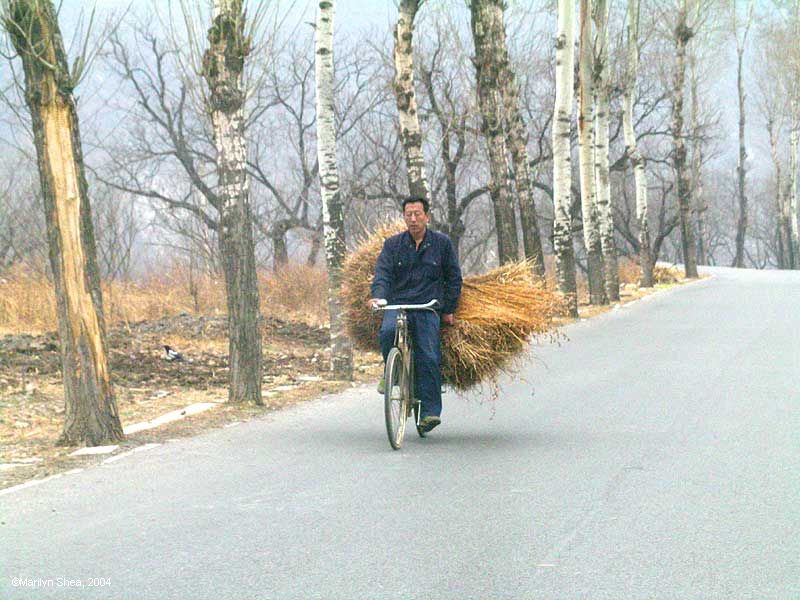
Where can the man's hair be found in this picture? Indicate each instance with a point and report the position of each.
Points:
(412, 199)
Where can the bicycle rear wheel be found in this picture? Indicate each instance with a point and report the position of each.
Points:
(394, 400)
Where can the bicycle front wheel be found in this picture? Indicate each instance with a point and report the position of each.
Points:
(394, 400)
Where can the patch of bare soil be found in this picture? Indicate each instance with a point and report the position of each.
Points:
(147, 385)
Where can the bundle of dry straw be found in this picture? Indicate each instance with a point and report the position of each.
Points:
(497, 315)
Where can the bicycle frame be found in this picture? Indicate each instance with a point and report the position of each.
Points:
(402, 341)
(404, 346)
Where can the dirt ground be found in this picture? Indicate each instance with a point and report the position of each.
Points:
(147, 385)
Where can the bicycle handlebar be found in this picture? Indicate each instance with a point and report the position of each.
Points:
(382, 305)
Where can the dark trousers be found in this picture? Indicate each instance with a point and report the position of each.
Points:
(424, 327)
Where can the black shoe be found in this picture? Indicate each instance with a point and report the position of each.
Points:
(426, 424)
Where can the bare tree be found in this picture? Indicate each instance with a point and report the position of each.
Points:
(223, 68)
(794, 139)
(117, 225)
(631, 148)
(784, 234)
(410, 131)
(488, 34)
(333, 215)
(23, 239)
(602, 87)
(793, 165)
(444, 103)
(663, 220)
(168, 156)
(741, 43)
(562, 171)
(698, 143)
(91, 409)
(291, 92)
(682, 34)
(773, 105)
(516, 141)
(649, 193)
(361, 98)
(589, 210)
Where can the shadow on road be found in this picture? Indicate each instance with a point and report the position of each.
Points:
(369, 441)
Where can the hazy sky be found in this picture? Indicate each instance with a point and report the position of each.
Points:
(348, 12)
(375, 18)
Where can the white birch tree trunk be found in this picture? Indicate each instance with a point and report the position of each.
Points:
(410, 130)
(562, 162)
(223, 69)
(591, 225)
(631, 147)
(602, 180)
(332, 210)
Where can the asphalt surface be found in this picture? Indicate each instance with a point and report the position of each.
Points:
(655, 454)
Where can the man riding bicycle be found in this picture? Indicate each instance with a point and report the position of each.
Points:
(415, 267)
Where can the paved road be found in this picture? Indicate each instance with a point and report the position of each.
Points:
(656, 454)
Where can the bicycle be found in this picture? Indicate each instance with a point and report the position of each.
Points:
(398, 375)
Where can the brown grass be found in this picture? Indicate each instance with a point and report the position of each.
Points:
(498, 314)
(629, 271)
(668, 274)
(359, 268)
(27, 302)
(296, 292)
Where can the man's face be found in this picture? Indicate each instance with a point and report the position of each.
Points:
(416, 218)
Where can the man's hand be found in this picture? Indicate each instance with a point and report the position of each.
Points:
(372, 303)
(448, 319)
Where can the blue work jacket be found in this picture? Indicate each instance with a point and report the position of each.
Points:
(405, 275)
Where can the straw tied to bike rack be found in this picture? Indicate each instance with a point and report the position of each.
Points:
(498, 314)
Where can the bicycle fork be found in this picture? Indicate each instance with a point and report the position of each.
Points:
(407, 387)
